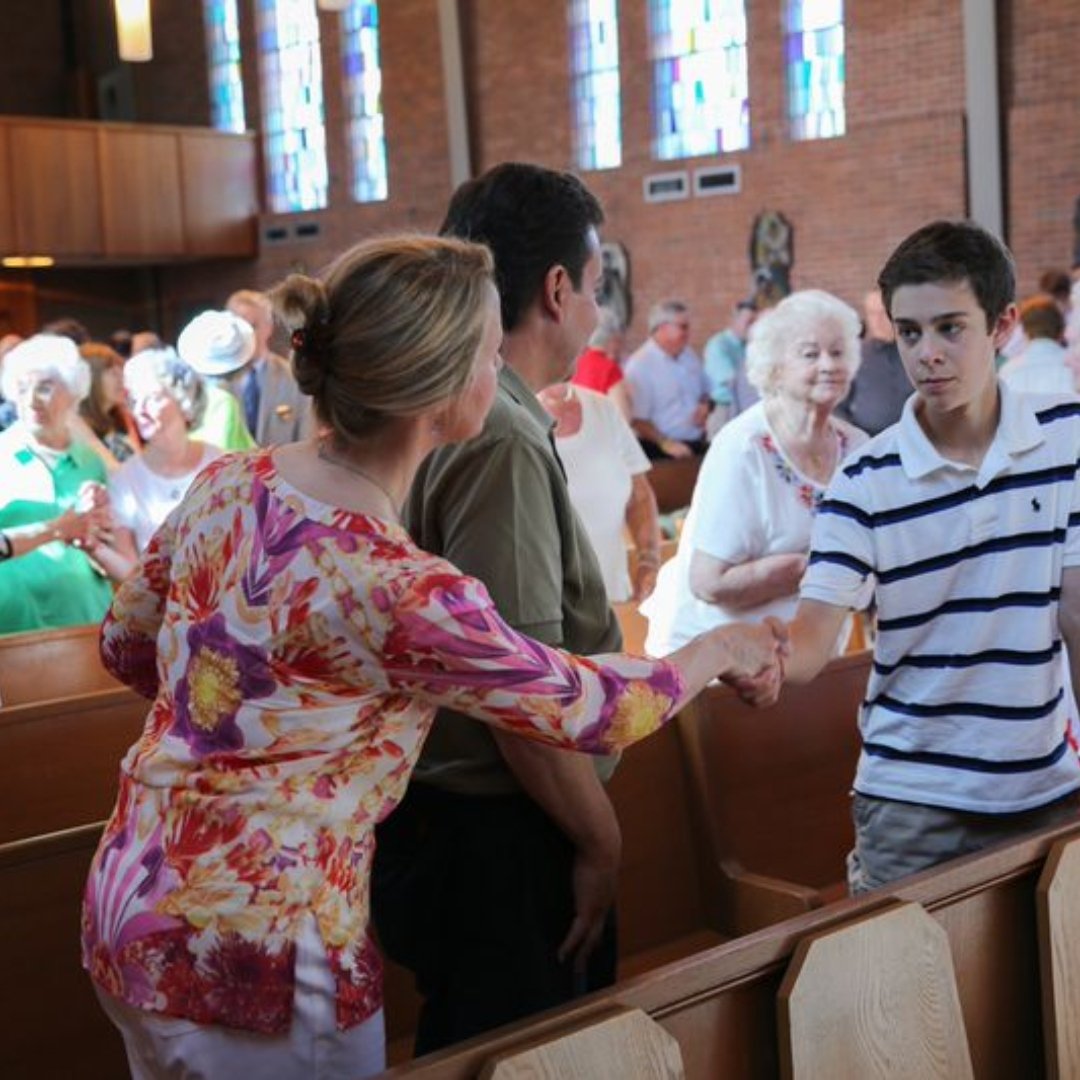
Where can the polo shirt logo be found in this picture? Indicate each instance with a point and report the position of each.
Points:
(1036, 505)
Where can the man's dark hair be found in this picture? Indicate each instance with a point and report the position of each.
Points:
(954, 252)
(532, 218)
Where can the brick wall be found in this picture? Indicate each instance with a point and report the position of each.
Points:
(1041, 83)
(850, 200)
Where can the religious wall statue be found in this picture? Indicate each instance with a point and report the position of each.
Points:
(614, 292)
(772, 255)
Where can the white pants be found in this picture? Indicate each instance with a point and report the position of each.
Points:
(160, 1047)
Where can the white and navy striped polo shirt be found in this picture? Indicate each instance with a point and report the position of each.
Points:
(965, 706)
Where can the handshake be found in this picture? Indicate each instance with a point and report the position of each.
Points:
(753, 657)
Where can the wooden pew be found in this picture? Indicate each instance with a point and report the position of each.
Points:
(876, 999)
(53, 1027)
(721, 1005)
(770, 789)
(1058, 900)
(673, 482)
(59, 759)
(664, 910)
(625, 1044)
(47, 664)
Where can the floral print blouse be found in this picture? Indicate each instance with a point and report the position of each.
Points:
(295, 655)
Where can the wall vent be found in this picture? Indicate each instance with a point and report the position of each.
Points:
(667, 186)
(718, 180)
(306, 230)
(275, 234)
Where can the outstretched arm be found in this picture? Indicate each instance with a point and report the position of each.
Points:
(812, 636)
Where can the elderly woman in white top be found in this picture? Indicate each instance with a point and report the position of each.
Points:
(745, 543)
(605, 471)
(166, 398)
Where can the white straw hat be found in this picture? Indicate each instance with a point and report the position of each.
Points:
(216, 343)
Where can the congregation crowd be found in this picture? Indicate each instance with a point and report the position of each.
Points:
(367, 593)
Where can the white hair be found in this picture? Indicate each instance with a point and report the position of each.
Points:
(50, 354)
(666, 311)
(796, 315)
(176, 378)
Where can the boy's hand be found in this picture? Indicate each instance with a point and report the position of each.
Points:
(762, 688)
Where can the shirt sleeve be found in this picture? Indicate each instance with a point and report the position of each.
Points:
(498, 523)
(1071, 555)
(623, 440)
(130, 630)
(640, 390)
(122, 499)
(841, 566)
(730, 479)
(447, 645)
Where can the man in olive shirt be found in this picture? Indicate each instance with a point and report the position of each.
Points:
(495, 878)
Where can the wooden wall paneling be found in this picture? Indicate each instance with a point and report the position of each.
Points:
(220, 200)
(140, 186)
(18, 310)
(55, 189)
(7, 213)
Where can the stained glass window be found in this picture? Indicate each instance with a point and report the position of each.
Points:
(294, 132)
(700, 77)
(363, 99)
(814, 43)
(223, 54)
(594, 86)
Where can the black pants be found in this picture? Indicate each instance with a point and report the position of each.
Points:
(473, 895)
(653, 452)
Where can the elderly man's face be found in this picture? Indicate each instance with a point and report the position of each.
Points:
(261, 321)
(44, 403)
(673, 336)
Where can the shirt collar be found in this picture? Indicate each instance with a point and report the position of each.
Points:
(519, 390)
(1018, 431)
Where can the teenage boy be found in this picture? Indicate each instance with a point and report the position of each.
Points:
(964, 520)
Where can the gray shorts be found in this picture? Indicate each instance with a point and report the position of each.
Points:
(894, 839)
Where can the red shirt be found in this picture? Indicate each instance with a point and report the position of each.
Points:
(596, 371)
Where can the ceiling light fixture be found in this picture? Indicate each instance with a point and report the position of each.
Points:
(133, 37)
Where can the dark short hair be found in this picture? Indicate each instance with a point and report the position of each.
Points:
(1041, 317)
(953, 251)
(532, 219)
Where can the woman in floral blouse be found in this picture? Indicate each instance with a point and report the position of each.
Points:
(295, 645)
(743, 549)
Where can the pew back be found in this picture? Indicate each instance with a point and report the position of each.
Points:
(46, 664)
(770, 787)
(721, 1005)
(53, 1026)
(673, 482)
(59, 759)
(874, 998)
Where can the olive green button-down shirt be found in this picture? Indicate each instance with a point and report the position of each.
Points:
(498, 508)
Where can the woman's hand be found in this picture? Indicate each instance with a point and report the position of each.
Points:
(751, 651)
